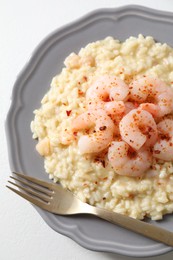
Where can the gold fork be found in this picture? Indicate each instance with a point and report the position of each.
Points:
(53, 198)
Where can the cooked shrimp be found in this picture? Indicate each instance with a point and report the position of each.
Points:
(115, 107)
(129, 106)
(138, 128)
(126, 163)
(73, 61)
(163, 149)
(102, 134)
(152, 90)
(107, 88)
(151, 108)
(83, 121)
(43, 147)
(116, 110)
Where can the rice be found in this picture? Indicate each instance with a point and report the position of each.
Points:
(90, 180)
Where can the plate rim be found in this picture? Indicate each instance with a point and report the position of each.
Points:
(23, 76)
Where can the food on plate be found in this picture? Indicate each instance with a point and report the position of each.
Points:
(105, 127)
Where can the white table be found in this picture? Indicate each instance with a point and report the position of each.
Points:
(23, 24)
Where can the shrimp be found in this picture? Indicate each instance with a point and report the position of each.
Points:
(115, 107)
(163, 149)
(154, 91)
(129, 106)
(151, 108)
(126, 163)
(138, 128)
(43, 147)
(102, 134)
(73, 61)
(107, 91)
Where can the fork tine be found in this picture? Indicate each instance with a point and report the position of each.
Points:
(34, 180)
(35, 193)
(35, 201)
(33, 185)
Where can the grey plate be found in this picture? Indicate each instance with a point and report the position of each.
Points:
(33, 82)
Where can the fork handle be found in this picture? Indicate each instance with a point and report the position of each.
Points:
(143, 228)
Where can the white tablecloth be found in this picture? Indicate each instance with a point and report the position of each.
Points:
(23, 24)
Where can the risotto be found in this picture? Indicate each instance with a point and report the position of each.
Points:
(92, 178)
